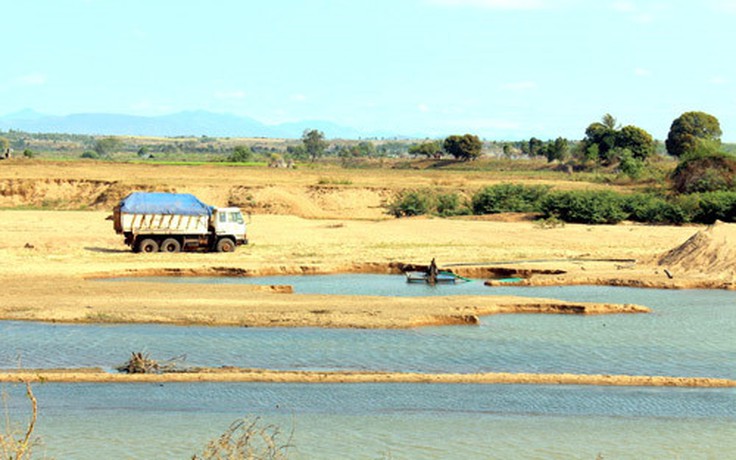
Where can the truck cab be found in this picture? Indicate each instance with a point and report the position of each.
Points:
(229, 222)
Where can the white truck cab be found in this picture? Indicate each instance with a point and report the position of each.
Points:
(229, 221)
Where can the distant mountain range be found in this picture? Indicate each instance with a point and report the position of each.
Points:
(188, 123)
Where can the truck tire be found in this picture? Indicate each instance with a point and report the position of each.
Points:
(148, 245)
(170, 245)
(225, 245)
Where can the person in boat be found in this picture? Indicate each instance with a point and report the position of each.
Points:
(432, 272)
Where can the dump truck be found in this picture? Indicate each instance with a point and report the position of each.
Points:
(173, 222)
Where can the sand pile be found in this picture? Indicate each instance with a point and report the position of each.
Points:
(711, 251)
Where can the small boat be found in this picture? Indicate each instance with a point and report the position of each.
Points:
(423, 277)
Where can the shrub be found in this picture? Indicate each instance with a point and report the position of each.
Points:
(585, 207)
(653, 209)
(630, 165)
(715, 206)
(240, 154)
(705, 173)
(91, 155)
(448, 204)
(413, 203)
(509, 198)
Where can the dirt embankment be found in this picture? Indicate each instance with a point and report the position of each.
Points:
(312, 201)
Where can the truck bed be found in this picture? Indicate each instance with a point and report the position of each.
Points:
(162, 224)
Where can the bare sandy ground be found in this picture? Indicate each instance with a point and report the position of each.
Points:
(51, 258)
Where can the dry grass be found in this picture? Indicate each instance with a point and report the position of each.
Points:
(17, 444)
(247, 439)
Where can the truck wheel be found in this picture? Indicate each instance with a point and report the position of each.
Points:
(170, 245)
(148, 245)
(225, 245)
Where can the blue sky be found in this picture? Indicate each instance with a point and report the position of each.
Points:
(502, 69)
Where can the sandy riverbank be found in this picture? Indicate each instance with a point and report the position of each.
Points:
(51, 258)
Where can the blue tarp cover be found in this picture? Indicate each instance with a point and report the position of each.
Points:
(164, 203)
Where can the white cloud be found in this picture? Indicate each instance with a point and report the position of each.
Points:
(718, 80)
(33, 79)
(298, 97)
(423, 108)
(520, 86)
(496, 4)
(640, 72)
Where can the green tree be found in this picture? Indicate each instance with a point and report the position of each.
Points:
(298, 152)
(609, 121)
(601, 135)
(690, 127)
(361, 149)
(535, 146)
(314, 143)
(556, 150)
(639, 142)
(467, 147)
(605, 140)
(107, 145)
(4, 144)
(428, 149)
(240, 154)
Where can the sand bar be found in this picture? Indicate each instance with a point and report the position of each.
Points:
(262, 375)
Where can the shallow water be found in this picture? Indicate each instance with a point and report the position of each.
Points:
(690, 333)
(90, 421)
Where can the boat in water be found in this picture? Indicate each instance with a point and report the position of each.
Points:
(440, 278)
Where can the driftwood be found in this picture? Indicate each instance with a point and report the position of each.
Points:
(140, 363)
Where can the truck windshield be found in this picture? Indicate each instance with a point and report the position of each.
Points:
(236, 217)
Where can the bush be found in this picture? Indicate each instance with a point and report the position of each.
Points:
(448, 204)
(413, 203)
(241, 154)
(91, 155)
(705, 173)
(715, 206)
(509, 198)
(585, 207)
(653, 209)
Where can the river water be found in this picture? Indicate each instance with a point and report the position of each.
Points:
(690, 333)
